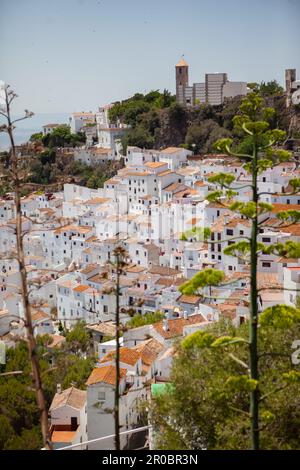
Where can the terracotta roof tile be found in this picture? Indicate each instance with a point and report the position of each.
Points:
(164, 271)
(154, 164)
(284, 207)
(71, 396)
(127, 356)
(149, 350)
(63, 436)
(169, 150)
(175, 326)
(189, 299)
(106, 374)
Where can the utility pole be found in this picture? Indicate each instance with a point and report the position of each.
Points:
(253, 323)
(117, 391)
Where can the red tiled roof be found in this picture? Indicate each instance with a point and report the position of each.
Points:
(127, 356)
(189, 299)
(106, 374)
(176, 325)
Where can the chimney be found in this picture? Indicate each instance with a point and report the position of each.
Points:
(196, 311)
(185, 315)
(58, 388)
(165, 324)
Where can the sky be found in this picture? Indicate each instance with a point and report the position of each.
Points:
(73, 55)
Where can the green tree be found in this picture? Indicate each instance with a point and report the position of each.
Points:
(147, 319)
(165, 99)
(139, 136)
(207, 406)
(201, 137)
(270, 88)
(78, 338)
(62, 137)
(48, 156)
(19, 416)
(37, 137)
(29, 439)
(6, 430)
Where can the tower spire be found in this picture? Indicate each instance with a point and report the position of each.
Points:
(182, 62)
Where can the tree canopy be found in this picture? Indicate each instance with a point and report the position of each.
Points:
(207, 407)
(19, 416)
(147, 319)
(61, 136)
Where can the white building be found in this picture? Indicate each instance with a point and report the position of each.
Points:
(79, 120)
(68, 418)
(109, 133)
(49, 128)
(100, 403)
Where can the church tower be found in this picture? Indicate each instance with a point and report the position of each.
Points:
(182, 80)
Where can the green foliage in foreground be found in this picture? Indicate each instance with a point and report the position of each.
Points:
(147, 319)
(19, 418)
(209, 402)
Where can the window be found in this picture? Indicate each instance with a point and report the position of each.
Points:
(266, 239)
(101, 396)
(229, 231)
(266, 264)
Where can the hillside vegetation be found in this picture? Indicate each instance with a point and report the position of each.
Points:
(156, 120)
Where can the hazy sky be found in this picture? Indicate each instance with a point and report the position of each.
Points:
(67, 55)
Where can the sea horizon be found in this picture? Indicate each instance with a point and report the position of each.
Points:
(24, 129)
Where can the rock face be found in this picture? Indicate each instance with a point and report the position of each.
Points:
(173, 124)
(295, 122)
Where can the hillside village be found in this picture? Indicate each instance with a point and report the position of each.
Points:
(152, 208)
(156, 207)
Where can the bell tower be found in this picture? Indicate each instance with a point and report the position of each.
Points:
(182, 80)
